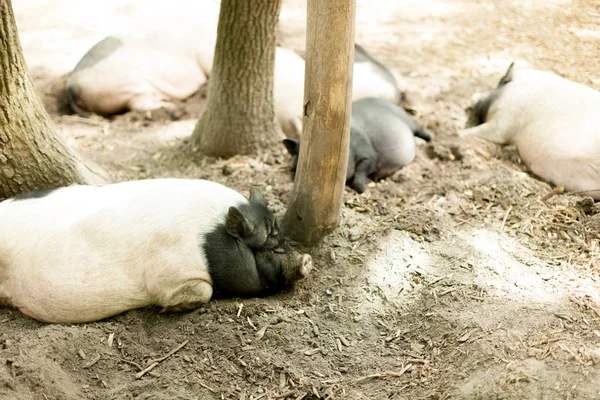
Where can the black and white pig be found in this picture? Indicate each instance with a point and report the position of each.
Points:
(553, 122)
(382, 140)
(83, 253)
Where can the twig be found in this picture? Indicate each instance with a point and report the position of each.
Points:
(383, 375)
(505, 218)
(92, 362)
(554, 192)
(286, 395)
(88, 121)
(155, 363)
(205, 386)
(138, 366)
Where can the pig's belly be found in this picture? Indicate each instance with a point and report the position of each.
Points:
(567, 157)
(60, 283)
(69, 299)
(575, 175)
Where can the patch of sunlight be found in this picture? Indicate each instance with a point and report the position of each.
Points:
(490, 260)
(493, 256)
(394, 269)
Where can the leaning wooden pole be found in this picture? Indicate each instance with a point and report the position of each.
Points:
(316, 200)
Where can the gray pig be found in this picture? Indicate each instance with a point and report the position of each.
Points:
(553, 122)
(381, 141)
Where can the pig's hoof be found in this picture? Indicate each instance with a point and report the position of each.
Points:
(306, 265)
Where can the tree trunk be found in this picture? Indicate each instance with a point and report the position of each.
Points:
(32, 156)
(316, 199)
(240, 117)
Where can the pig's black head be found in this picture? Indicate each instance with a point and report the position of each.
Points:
(293, 147)
(237, 271)
(480, 107)
(254, 224)
(481, 103)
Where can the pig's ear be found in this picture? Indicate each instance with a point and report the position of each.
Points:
(508, 76)
(257, 196)
(237, 224)
(292, 146)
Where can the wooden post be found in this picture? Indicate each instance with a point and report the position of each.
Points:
(316, 200)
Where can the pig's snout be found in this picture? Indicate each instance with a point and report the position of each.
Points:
(306, 265)
(296, 266)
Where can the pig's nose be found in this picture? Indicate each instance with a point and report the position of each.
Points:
(307, 265)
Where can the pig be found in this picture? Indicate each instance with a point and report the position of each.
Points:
(371, 78)
(84, 253)
(288, 91)
(381, 141)
(552, 121)
(164, 53)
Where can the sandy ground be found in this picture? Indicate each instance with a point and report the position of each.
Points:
(452, 280)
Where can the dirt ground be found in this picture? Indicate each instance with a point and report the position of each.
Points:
(452, 280)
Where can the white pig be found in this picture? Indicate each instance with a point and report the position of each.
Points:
(554, 122)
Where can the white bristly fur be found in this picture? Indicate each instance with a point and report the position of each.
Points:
(555, 124)
(83, 253)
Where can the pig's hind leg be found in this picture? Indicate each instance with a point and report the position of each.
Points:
(360, 180)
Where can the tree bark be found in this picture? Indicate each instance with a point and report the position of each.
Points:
(32, 156)
(316, 199)
(239, 117)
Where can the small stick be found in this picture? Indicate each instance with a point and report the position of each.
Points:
(138, 366)
(155, 363)
(92, 362)
(383, 375)
(505, 218)
(88, 121)
(554, 192)
(372, 376)
(286, 395)
(205, 386)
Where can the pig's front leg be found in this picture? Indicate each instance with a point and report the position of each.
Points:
(186, 296)
(148, 102)
(489, 131)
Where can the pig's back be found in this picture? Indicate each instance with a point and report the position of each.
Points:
(134, 201)
(559, 118)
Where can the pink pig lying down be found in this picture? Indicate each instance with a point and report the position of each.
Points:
(84, 253)
(554, 122)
